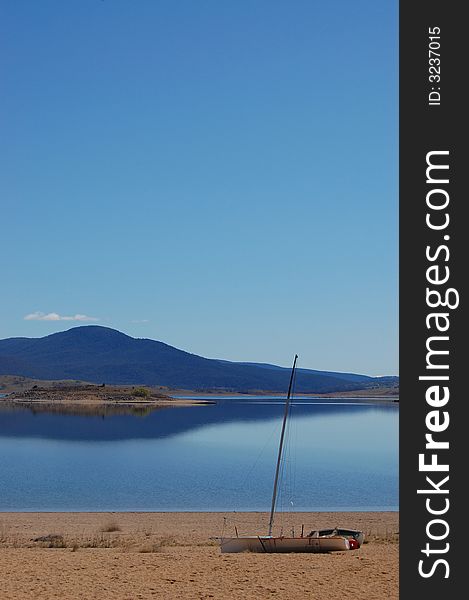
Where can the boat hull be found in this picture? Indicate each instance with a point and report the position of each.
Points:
(359, 536)
(266, 544)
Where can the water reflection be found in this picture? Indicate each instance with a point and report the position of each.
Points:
(81, 410)
(103, 423)
(213, 457)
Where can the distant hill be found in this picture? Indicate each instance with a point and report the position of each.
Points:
(103, 355)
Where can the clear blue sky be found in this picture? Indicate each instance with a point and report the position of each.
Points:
(218, 175)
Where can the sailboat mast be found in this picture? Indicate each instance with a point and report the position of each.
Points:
(280, 449)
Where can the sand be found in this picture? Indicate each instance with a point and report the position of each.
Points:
(130, 556)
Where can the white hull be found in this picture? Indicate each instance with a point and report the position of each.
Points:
(331, 541)
(283, 544)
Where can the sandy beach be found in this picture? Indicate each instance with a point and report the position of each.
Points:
(129, 556)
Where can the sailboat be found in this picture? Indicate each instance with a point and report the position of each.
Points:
(317, 541)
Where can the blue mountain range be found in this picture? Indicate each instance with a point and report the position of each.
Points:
(102, 355)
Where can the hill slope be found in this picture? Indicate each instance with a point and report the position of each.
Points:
(100, 354)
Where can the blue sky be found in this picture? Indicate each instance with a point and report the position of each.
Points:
(221, 176)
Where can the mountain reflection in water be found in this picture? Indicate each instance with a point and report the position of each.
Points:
(209, 457)
(126, 423)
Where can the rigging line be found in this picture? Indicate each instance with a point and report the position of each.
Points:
(281, 481)
(286, 482)
(286, 467)
(273, 432)
(283, 492)
(282, 434)
(283, 476)
(293, 444)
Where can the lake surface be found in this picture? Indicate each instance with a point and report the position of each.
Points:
(217, 457)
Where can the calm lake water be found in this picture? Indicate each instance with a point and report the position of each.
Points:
(218, 457)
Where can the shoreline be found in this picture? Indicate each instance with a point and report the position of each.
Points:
(94, 403)
(97, 408)
(331, 511)
(18, 388)
(92, 399)
(169, 555)
(384, 394)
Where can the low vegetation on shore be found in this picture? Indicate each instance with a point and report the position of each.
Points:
(172, 556)
(88, 394)
(47, 391)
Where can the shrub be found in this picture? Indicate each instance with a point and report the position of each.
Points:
(110, 526)
(141, 392)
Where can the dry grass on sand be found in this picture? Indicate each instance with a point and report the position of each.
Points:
(131, 556)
